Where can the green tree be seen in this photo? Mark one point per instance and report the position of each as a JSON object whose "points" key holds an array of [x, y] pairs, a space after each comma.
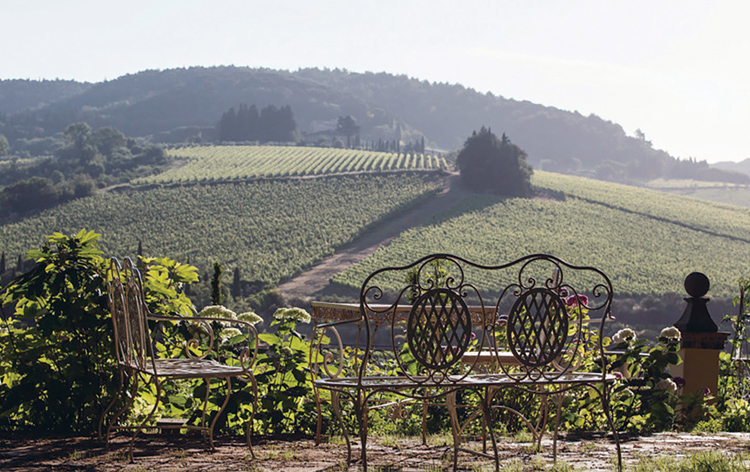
{"points": [[3, 145], [491, 165], [58, 361], [348, 127], [217, 298], [108, 140], [79, 149]]}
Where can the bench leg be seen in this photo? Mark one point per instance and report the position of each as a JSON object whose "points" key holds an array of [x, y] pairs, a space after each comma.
{"points": [[360, 408], [221, 410], [486, 401], [604, 395]]}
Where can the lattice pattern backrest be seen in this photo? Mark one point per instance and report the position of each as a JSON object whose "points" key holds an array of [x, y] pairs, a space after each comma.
{"points": [[431, 323], [551, 315], [537, 329], [438, 330], [125, 293]]}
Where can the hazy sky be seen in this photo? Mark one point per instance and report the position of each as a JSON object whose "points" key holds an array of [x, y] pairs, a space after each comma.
{"points": [[678, 70]]}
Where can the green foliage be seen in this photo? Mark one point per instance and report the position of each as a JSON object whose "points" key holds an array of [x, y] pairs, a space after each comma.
{"points": [[247, 124], [164, 283], [283, 375], [645, 400], [227, 163], [489, 164], [57, 352]]}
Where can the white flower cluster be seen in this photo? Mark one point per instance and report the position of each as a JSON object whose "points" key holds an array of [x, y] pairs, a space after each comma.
{"points": [[218, 311], [229, 333], [666, 384], [296, 314], [625, 335], [670, 334], [250, 317]]}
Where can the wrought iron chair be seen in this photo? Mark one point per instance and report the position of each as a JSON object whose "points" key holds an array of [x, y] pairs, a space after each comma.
{"points": [[136, 362]]}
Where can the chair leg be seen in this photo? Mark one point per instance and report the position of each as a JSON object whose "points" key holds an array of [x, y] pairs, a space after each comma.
{"points": [[111, 404], [336, 404], [486, 401], [125, 407], [148, 418], [218, 414], [319, 410], [360, 407], [249, 429], [558, 403]]}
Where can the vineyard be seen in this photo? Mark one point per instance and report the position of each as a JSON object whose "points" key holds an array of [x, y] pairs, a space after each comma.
{"points": [[223, 163], [269, 230], [731, 194], [646, 241], [714, 218]]}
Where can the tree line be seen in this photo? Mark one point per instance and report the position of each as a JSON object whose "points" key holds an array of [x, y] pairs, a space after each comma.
{"points": [[85, 161], [270, 124]]}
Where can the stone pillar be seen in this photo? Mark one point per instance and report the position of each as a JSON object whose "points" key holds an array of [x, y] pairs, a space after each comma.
{"points": [[701, 340]]}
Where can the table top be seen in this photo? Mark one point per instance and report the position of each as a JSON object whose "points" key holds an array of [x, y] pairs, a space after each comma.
{"points": [[325, 312]]}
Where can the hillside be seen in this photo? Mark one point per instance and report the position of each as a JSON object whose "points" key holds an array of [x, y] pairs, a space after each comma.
{"points": [[646, 241], [188, 103], [273, 229]]}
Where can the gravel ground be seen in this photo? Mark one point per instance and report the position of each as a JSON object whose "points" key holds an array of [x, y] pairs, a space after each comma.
{"points": [[185, 453]]}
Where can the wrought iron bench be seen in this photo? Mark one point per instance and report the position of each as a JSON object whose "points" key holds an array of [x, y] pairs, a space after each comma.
{"points": [[133, 324], [539, 309]]}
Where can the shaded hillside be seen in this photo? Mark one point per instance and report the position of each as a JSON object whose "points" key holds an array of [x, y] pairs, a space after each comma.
{"points": [[17, 95], [384, 106], [742, 166]]}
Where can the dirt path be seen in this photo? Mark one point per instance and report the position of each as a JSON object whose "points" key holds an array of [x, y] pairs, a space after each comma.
{"points": [[305, 286]]}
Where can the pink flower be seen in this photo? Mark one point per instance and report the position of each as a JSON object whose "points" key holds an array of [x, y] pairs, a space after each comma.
{"points": [[679, 381], [618, 375], [706, 391], [575, 300]]}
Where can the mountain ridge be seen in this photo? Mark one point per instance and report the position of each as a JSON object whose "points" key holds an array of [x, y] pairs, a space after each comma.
{"points": [[151, 103]]}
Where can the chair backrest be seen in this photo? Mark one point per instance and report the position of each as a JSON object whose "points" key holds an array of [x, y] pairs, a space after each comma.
{"points": [[429, 320], [129, 315], [556, 309]]}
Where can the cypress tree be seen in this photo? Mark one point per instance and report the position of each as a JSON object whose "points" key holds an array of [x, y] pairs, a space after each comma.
{"points": [[236, 283], [216, 296]]}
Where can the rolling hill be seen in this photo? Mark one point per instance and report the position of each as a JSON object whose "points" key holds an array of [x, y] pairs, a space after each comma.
{"points": [[187, 103], [271, 230]]}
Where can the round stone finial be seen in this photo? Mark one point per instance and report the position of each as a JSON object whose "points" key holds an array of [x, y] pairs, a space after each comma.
{"points": [[697, 284]]}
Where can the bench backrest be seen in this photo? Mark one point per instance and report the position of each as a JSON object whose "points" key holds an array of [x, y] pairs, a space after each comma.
{"points": [[556, 316], [538, 307], [129, 315]]}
